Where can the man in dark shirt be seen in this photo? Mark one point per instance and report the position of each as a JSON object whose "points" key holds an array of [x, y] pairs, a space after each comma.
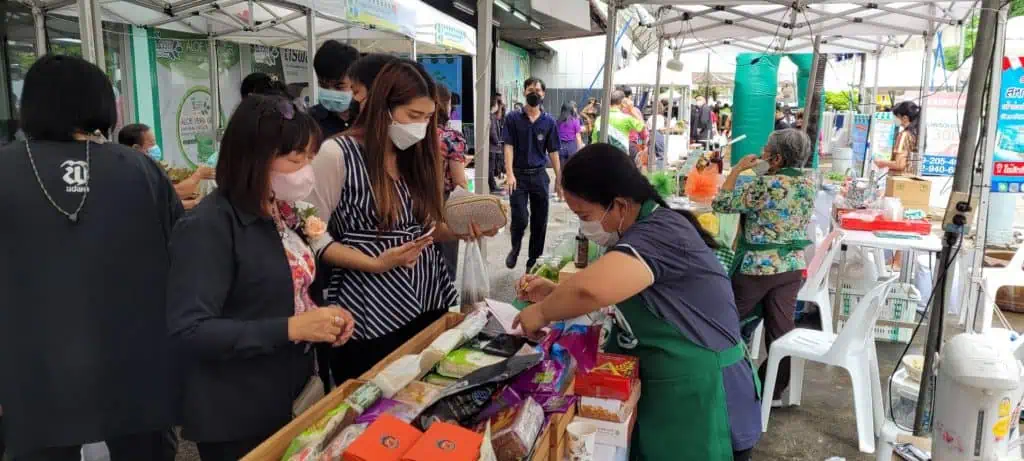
{"points": [[700, 120], [531, 139], [495, 148], [331, 63]]}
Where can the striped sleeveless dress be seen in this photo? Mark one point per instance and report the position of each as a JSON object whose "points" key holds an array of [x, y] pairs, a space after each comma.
{"points": [[382, 303]]}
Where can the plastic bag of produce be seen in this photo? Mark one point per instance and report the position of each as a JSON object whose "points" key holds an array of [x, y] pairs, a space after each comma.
{"points": [[476, 285], [320, 433], [462, 362], [336, 449]]}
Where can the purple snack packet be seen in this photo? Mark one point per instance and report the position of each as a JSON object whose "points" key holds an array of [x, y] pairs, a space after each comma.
{"points": [[555, 403], [582, 342], [545, 377], [400, 410], [508, 397]]}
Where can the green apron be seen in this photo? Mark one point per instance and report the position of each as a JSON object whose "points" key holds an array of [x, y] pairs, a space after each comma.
{"points": [[682, 414]]}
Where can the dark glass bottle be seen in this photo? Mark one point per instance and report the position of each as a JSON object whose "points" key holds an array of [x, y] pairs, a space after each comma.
{"points": [[582, 250]]}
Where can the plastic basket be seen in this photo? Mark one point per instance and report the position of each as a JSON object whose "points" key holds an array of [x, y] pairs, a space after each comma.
{"points": [[887, 333], [900, 306]]}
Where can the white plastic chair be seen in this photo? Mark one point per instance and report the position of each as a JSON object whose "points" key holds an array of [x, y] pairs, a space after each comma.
{"points": [[993, 278], [814, 289], [853, 349]]}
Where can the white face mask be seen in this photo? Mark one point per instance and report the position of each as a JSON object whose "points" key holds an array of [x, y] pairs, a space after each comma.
{"points": [[294, 186], [406, 134], [595, 232]]}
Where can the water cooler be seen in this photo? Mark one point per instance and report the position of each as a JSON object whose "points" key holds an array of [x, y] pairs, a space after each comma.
{"points": [[977, 401]]}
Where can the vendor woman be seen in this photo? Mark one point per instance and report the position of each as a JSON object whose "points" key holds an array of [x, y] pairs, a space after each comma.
{"points": [[905, 158], [699, 399]]}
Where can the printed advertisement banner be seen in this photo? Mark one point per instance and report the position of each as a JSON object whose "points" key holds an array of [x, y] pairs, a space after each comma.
{"points": [[390, 15], [447, 70], [945, 115], [288, 65], [454, 37], [186, 104], [1008, 158]]}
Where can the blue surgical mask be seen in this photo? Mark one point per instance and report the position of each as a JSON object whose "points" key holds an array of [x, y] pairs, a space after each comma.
{"points": [[334, 100], [155, 152]]}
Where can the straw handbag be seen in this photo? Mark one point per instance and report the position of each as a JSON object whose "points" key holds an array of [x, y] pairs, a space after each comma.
{"points": [[464, 207]]}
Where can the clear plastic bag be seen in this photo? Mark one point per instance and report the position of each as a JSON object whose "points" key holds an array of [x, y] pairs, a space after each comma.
{"points": [[476, 286]]}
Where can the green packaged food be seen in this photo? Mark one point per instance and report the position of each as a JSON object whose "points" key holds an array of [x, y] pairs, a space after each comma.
{"points": [[320, 433], [364, 397], [464, 361], [438, 380]]}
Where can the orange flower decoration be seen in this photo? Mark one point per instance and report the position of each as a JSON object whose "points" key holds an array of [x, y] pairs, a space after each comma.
{"points": [[314, 227]]}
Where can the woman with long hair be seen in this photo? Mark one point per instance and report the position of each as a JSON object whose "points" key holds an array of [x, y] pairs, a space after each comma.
{"points": [[380, 188], [569, 130], [678, 315], [905, 157], [238, 291]]}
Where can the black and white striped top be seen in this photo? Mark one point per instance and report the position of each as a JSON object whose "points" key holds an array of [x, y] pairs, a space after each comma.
{"points": [[381, 303]]}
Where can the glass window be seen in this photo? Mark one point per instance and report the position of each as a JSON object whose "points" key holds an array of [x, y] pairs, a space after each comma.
{"points": [[17, 53]]}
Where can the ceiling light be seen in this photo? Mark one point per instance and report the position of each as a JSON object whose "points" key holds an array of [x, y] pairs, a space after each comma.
{"points": [[464, 8], [520, 16], [534, 25], [502, 5], [675, 64], [67, 40]]}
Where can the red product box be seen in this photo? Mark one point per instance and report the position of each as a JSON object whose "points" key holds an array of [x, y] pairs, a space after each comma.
{"points": [[448, 442], [387, 439], [612, 378]]}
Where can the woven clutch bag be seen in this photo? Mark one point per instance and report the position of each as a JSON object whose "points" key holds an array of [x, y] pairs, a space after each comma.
{"points": [[464, 208]]}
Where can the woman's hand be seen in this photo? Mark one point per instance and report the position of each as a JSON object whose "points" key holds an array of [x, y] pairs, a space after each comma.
{"points": [[881, 163], [404, 255], [746, 163], [533, 288], [205, 172], [324, 325], [476, 234], [348, 328], [531, 320]]}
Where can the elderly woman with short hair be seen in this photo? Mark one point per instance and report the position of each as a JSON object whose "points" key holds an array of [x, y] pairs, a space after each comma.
{"points": [[777, 206]]}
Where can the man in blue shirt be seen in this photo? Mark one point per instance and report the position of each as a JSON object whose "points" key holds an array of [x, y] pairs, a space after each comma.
{"points": [[531, 140]]}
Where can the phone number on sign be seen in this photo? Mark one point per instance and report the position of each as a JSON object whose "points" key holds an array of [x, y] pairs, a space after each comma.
{"points": [[938, 166]]}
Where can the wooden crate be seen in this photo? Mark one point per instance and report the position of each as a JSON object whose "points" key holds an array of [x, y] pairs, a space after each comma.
{"points": [[417, 344], [551, 441], [274, 447]]}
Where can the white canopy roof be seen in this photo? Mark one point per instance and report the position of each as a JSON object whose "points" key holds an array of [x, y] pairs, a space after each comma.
{"points": [[373, 25], [643, 72], [785, 26]]}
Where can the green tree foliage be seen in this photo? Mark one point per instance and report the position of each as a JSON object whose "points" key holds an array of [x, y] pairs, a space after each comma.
{"points": [[841, 100]]}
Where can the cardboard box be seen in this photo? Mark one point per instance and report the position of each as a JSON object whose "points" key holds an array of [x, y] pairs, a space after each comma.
{"points": [[567, 272], [604, 452], [611, 378], [612, 434], [610, 409], [913, 192], [387, 439], [448, 442]]}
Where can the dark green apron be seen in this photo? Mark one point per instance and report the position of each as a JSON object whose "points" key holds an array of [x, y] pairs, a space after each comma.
{"points": [[682, 414]]}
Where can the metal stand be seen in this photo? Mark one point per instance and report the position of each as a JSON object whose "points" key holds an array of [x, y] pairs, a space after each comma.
{"points": [[963, 180]]}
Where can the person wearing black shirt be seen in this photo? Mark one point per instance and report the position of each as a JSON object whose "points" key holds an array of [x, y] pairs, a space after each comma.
{"points": [[331, 63], [83, 279], [531, 141], [700, 120]]}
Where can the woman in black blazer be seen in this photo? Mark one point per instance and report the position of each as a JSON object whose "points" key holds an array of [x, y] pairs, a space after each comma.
{"points": [[238, 296]]}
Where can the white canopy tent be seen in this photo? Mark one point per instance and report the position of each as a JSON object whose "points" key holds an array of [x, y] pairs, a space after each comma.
{"points": [[643, 72]]}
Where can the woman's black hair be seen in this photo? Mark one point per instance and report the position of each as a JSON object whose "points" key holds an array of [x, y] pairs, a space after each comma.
{"points": [[132, 135], [262, 128], [911, 110], [365, 70], [64, 95], [600, 173], [568, 111]]}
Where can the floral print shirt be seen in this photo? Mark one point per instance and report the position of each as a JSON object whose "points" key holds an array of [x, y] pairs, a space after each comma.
{"points": [[776, 210], [453, 147], [300, 256]]}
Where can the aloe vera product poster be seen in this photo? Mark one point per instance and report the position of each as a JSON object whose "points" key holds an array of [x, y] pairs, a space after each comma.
{"points": [[186, 104]]}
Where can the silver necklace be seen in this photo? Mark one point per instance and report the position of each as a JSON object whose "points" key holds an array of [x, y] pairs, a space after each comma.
{"points": [[73, 217]]}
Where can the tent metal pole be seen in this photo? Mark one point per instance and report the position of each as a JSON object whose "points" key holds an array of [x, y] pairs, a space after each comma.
{"points": [[929, 63], [874, 91], [609, 67], [482, 124], [986, 47], [860, 85], [85, 25], [39, 22], [314, 85], [654, 113], [214, 89], [97, 31], [412, 43], [979, 297]]}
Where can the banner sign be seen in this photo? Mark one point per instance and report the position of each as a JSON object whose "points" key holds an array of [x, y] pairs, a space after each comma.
{"points": [[390, 15], [945, 115], [1008, 157], [453, 37]]}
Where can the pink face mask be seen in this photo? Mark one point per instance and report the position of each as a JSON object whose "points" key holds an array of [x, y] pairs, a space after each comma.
{"points": [[293, 186]]}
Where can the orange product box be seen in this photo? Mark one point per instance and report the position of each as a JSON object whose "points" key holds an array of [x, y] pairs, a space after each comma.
{"points": [[448, 442], [611, 378], [387, 439]]}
